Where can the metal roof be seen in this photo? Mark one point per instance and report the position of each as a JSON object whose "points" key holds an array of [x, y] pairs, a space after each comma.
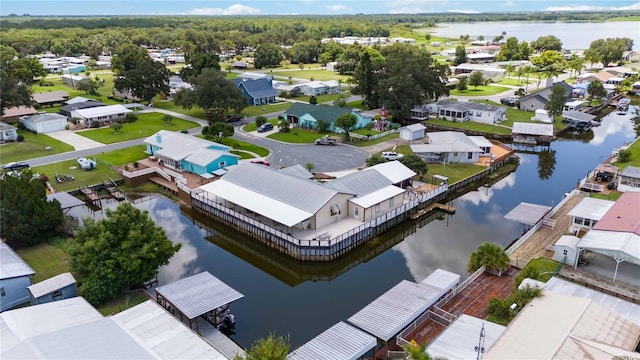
{"points": [[532, 129], [204, 157], [162, 332], [11, 264], [631, 171], [102, 111], [198, 294], [481, 141], [360, 182], [414, 127], [255, 201], [77, 99], [622, 307], [298, 171], [624, 215], [395, 171], [528, 214], [341, 341], [377, 196], [459, 339], [259, 88], [442, 279], [67, 201], [568, 241], [318, 112], [578, 116], [591, 208], [39, 118], [456, 139], [52, 284], [616, 244], [580, 328], [394, 310], [178, 146]]}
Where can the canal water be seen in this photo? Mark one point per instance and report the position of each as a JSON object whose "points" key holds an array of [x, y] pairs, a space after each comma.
{"points": [[301, 300]]}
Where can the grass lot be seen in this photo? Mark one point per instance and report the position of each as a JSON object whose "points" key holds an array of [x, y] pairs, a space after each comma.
{"points": [[253, 127], [243, 154], [123, 302], [296, 136], [321, 98], [480, 91], [514, 82], [57, 84], [195, 111], [365, 131], [516, 115], [33, 146], [199, 113], [146, 125], [356, 104], [266, 109], [47, 260], [545, 266], [471, 125], [82, 178], [363, 143], [316, 74], [245, 146], [455, 172], [613, 195], [123, 156], [634, 160]]}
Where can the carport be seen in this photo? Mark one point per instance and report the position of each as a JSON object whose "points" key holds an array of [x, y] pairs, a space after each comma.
{"points": [[621, 246]]}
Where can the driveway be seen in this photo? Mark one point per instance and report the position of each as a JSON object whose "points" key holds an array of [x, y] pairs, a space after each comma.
{"points": [[75, 140]]}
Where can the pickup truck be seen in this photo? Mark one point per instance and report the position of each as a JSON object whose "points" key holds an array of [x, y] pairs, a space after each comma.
{"points": [[325, 141]]}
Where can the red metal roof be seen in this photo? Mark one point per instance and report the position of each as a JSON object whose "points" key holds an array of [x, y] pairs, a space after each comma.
{"points": [[624, 215]]}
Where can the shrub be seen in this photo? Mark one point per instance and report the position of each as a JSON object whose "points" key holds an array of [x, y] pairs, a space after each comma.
{"points": [[95, 123], [131, 117], [624, 155], [499, 308], [20, 138], [136, 164], [260, 120], [528, 272]]}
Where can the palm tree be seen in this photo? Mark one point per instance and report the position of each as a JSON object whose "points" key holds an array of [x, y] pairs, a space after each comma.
{"points": [[415, 351], [510, 69], [490, 255], [577, 64]]}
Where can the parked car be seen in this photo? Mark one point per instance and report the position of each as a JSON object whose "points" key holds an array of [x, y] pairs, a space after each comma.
{"points": [[15, 166], [262, 162], [325, 141], [265, 127], [233, 118], [602, 176], [509, 100], [391, 155]]}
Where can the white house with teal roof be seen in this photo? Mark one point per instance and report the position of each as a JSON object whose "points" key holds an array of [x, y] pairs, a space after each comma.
{"points": [[306, 116], [184, 152]]}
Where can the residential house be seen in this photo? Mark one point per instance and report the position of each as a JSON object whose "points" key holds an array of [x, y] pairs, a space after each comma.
{"points": [[629, 179], [8, 132], [45, 122], [15, 276], [176, 83], [184, 152], [258, 91], [586, 214], [467, 111], [315, 88], [74, 69], [254, 75], [635, 88], [538, 99], [493, 73], [14, 113], [601, 76], [631, 56], [74, 80], [66, 110], [50, 98], [621, 71], [574, 105], [412, 132], [451, 147], [481, 58], [307, 116], [239, 65], [100, 114], [57, 288]]}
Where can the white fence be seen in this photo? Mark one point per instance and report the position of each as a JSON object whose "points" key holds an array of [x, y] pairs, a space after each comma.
{"points": [[372, 137]]}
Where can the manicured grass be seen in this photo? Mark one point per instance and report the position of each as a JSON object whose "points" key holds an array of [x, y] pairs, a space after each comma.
{"points": [[365, 131], [316, 74], [146, 125], [613, 195], [57, 84], [364, 143], [480, 91], [47, 260], [296, 136], [33, 146], [123, 156], [513, 82], [122, 303], [471, 125], [321, 98], [245, 146], [243, 154], [545, 266], [356, 104], [82, 178], [231, 75], [195, 111], [253, 127], [634, 160], [266, 109], [455, 172]]}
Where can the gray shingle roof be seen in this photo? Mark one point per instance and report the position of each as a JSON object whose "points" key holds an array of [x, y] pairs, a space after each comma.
{"points": [[631, 171], [546, 92], [259, 88]]}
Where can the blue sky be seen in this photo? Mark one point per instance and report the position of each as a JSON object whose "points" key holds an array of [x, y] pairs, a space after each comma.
{"points": [[292, 7]]}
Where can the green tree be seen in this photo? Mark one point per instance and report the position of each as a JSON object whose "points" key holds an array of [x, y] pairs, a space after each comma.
{"points": [[309, 166], [415, 163], [366, 78], [26, 217], [349, 59], [26, 70], [375, 159], [609, 50], [213, 93], [346, 122], [476, 79], [548, 58], [284, 126], [323, 126], [529, 272], [555, 104], [596, 91], [549, 42], [576, 64], [512, 50], [117, 126], [491, 255], [168, 119], [260, 120], [272, 348], [138, 73], [462, 83], [123, 250], [14, 93], [461, 55], [313, 100], [415, 351], [90, 86], [267, 55], [197, 62], [217, 130], [624, 155]]}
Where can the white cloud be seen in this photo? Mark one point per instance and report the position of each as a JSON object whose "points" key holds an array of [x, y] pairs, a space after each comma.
{"points": [[235, 9], [337, 7], [462, 11], [414, 6], [635, 6], [509, 4]]}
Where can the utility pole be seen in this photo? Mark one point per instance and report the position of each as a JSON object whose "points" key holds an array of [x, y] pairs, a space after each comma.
{"points": [[480, 348]]}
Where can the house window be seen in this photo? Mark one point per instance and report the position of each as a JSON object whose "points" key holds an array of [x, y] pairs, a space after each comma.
{"points": [[469, 155], [2, 293], [577, 220], [222, 164], [455, 154], [356, 211], [335, 210], [391, 201], [56, 294], [377, 208], [478, 114], [587, 222]]}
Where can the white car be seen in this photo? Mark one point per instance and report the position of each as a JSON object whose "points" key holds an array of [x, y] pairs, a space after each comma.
{"points": [[391, 155]]}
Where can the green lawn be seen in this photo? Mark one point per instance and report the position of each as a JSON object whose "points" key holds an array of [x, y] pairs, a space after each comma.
{"points": [[471, 125], [33, 146], [122, 302], [243, 154], [146, 125], [613, 195], [296, 136], [513, 82], [356, 104], [245, 146], [82, 178], [321, 98], [266, 109], [455, 172], [545, 266], [195, 111], [47, 260], [316, 74], [480, 91], [253, 127], [123, 156], [365, 131], [363, 143], [57, 84], [634, 160]]}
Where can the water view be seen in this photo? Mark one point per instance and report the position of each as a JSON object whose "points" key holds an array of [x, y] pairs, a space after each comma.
{"points": [[303, 299], [572, 34]]}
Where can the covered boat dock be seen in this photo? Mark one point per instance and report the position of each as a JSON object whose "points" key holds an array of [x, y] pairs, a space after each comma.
{"points": [[339, 342], [67, 201], [528, 214]]}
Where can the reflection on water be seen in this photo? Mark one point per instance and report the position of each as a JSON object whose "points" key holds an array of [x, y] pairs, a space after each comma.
{"points": [[303, 299]]}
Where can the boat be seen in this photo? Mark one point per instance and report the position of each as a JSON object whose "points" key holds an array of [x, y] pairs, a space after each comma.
{"points": [[86, 164], [623, 105]]}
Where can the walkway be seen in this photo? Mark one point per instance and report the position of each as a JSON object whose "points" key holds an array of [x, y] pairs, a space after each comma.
{"points": [[77, 141]]}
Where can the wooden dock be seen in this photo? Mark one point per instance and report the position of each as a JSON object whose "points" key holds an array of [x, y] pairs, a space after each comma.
{"points": [[434, 206], [112, 188], [91, 196]]}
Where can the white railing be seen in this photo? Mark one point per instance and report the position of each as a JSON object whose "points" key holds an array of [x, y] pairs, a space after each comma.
{"points": [[523, 239], [460, 287], [372, 137]]}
